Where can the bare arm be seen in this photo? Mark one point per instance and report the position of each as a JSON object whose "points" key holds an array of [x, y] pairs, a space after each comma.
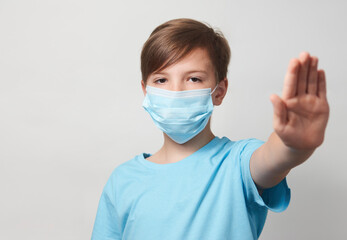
{"points": [[300, 119]]}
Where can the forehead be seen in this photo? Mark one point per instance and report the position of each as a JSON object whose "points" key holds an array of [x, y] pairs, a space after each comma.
{"points": [[198, 59]]}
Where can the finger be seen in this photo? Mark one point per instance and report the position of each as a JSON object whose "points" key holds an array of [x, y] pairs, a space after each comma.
{"points": [[302, 80], [280, 111], [322, 89], [312, 77], [290, 80]]}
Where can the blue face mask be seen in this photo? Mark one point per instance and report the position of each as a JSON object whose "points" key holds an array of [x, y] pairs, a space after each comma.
{"points": [[179, 114]]}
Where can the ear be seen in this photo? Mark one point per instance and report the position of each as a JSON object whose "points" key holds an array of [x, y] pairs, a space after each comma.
{"points": [[220, 92], [143, 87]]}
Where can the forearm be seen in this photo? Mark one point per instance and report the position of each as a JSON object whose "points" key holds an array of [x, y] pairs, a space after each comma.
{"points": [[273, 161]]}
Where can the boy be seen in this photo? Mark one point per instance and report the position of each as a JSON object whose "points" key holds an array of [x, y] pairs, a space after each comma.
{"points": [[199, 186]]}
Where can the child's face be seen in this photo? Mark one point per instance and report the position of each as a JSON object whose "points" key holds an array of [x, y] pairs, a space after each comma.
{"points": [[194, 71]]}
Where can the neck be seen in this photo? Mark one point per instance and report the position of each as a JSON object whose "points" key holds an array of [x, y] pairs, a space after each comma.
{"points": [[174, 152]]}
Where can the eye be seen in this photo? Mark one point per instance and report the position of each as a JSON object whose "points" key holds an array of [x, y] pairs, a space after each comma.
{"points": [[195, 79], [161, 80]]}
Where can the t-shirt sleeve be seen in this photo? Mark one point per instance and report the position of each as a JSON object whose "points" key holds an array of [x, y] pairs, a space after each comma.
{"points": [[276, 198], [107, 225]]}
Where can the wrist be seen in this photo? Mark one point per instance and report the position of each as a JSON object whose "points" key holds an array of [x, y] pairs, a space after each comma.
{"points": [[290, 156]]}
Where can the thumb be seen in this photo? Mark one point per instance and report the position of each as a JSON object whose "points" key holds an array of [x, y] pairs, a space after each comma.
{"points": [[280, 110]]}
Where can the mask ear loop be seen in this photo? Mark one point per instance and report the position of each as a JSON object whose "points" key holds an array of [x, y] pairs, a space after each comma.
{"points": [[214, 89]]}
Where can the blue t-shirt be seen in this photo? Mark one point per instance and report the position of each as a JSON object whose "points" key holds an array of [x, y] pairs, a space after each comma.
{"points": [[209, 195]]}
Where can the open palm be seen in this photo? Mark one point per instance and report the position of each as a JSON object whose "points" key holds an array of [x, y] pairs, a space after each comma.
{"points": [[301, 115]]}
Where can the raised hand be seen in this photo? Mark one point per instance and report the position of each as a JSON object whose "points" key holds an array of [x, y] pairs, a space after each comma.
{"points": [[301, 115]]}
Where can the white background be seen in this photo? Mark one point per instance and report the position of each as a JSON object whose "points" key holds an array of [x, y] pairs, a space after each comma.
{"points": [[70, 104]]}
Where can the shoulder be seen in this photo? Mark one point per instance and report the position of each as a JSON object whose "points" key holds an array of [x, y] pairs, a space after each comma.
{"points": [[242, 145], [127, 167], [119, 176], [249, 145]]}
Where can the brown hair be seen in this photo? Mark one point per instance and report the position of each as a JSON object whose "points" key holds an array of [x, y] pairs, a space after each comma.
{"points": [[173, 40]]}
